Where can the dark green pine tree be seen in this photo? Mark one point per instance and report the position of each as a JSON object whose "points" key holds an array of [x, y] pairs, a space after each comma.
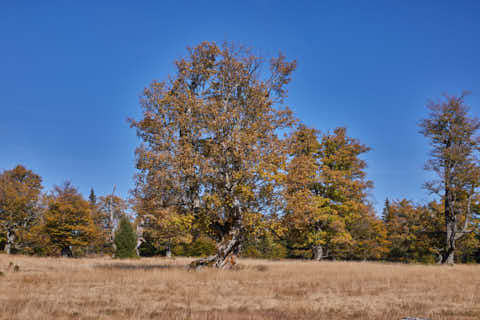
{"points": [[125, 239], [386, 214], [92, 198]]}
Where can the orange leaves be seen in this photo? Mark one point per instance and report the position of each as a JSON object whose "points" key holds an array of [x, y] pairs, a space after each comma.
{"points": [[67, 219], [324, 190], [210, 142], [19, 196]]}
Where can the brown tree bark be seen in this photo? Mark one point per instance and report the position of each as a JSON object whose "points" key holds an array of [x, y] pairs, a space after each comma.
{"points": [[226, 249], [449, 252]]}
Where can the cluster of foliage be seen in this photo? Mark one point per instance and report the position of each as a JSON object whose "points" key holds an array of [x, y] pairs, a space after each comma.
{"points": [[202, 246], [20, 191], [60, 222], [326, 210], [417, 232]]}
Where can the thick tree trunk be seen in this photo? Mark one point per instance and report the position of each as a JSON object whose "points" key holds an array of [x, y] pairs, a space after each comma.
{"points": [[317, 253], [227, 250], [449, 258], [11, 237], [451, 228], [67, 252], [449, 252], [114, 246]]}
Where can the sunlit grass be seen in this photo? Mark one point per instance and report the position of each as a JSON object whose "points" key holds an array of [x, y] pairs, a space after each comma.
{"points": [[160, 288]]}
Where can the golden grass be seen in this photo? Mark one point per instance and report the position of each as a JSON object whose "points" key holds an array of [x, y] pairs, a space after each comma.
{"points": [[160, 288]]}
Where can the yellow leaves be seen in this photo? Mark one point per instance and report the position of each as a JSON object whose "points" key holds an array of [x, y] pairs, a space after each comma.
{"points": [[254, 222], [324, 189], [67, 219], [19, 192], [244, 192]]}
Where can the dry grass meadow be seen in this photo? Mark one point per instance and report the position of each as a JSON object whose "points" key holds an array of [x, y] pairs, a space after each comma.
{"points": [[160, 288]]}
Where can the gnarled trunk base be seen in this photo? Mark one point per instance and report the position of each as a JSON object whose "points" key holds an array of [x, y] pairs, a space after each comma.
{"points": [[227, 251], [217, 261]]}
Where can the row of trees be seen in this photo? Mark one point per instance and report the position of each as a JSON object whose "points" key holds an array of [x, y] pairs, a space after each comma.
{"points": [[225, 168], [223, 157], [53, 223]]}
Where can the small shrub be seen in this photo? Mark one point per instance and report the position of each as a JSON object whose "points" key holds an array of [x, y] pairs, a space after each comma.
{"points": [[125, 240], [201, 247], [265, 247], [147, 249]]}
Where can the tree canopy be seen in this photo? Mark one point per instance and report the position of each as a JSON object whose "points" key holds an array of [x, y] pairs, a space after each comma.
{"points": [[211, 148], [68, 220], [20, 190]]}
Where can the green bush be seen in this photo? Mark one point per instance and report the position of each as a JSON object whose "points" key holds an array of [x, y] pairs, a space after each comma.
{"points": [[125, 240], [264, 247], [203, 246], [147, 249]]}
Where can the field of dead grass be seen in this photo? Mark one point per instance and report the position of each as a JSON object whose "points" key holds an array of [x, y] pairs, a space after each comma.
{"points": [[161, 288]]}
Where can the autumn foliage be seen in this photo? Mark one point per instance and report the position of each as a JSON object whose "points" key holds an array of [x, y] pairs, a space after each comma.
{"points": [[225, 169]]}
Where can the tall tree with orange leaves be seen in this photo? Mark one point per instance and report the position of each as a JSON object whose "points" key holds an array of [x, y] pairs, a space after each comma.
{"points": [[210, 148], [325, 192], [67, 219], [20, 190]]}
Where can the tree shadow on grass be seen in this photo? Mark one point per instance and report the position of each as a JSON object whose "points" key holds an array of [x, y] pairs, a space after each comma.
{"points": [[138, 266]]}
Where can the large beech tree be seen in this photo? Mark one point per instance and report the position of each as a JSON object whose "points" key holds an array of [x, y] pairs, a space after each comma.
{"points": [[19, 194], [210, 146], [454, 160]]}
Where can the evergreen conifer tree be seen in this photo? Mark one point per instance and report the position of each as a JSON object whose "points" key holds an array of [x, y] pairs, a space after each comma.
{"points": [[92, 198], [125, 239]]}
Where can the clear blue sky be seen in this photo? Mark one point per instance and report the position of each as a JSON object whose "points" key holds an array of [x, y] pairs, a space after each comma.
{"points": [[71, 73]]}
